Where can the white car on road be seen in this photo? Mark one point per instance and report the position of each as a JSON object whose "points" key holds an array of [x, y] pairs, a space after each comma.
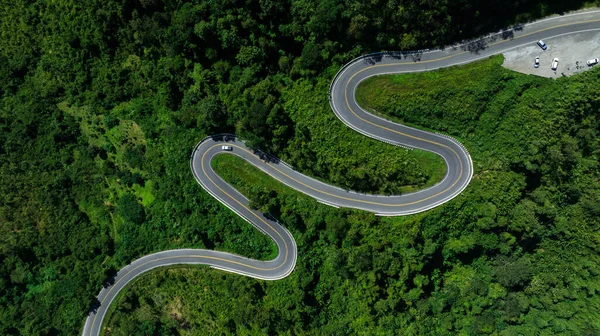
{"points": [[592, 62], [554, 64], [542, 45], [227, 148]]}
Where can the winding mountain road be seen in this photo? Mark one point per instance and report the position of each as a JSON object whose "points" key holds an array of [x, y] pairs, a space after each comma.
{"points": [[344, 105]]}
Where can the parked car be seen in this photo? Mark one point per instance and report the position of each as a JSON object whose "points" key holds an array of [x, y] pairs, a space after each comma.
{"points": [[542, 45], [227, 148], [592, 62], [554, 64], [536, 63]]}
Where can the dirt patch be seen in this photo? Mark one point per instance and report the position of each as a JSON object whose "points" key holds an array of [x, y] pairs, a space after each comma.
{"points": [[175, 309], [573, 51]]}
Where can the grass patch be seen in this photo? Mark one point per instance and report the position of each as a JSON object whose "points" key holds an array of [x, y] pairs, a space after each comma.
{"points": [[433, 167], [371, 91], [145, 192], [450, 100], [242, 175]]}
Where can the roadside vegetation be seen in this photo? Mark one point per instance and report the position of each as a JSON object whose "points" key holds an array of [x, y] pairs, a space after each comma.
{"points": [[102, 103]]}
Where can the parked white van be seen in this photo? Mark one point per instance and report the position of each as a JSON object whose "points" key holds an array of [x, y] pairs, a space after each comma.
{"points": [[542, 45]]}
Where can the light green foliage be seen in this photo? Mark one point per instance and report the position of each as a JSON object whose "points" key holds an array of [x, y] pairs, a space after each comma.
{"points": [[130, 210]]}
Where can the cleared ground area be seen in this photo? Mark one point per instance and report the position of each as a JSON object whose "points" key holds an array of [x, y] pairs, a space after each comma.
{"points": [[572, 50]]}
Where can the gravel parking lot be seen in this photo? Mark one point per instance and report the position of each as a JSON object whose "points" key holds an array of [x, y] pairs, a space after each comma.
{"points": [[573, 51]]}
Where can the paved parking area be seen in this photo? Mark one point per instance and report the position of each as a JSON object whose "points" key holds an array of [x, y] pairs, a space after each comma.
{"points": [[573, 51]]}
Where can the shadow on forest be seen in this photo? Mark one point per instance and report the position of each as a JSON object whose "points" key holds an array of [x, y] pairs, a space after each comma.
{"points": [[110, 274], [94, 306], [262, 155], [266, 157], [398, 55], [497, 27]]}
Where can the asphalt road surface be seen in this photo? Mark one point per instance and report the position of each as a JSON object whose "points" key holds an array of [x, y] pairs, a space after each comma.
{"points": [[343, 103]]}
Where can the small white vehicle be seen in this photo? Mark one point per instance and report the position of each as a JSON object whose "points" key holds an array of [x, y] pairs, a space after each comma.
{"points": [[542, 44], [554, 64], [592, 62], [227, 148], [536, 63]]}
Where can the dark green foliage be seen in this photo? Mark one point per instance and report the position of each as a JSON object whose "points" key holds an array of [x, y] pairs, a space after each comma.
{"points": [[264, 200], [130, 210], [134, 156], [102, 102], [212, 116], [254, 126], [513, 273]]}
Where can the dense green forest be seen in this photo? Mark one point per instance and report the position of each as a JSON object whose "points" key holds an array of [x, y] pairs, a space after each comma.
{"points": [[516, 254], [102, 102]]}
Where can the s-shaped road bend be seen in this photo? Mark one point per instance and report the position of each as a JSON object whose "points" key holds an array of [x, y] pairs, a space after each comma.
{"points": [[344, 105]]}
